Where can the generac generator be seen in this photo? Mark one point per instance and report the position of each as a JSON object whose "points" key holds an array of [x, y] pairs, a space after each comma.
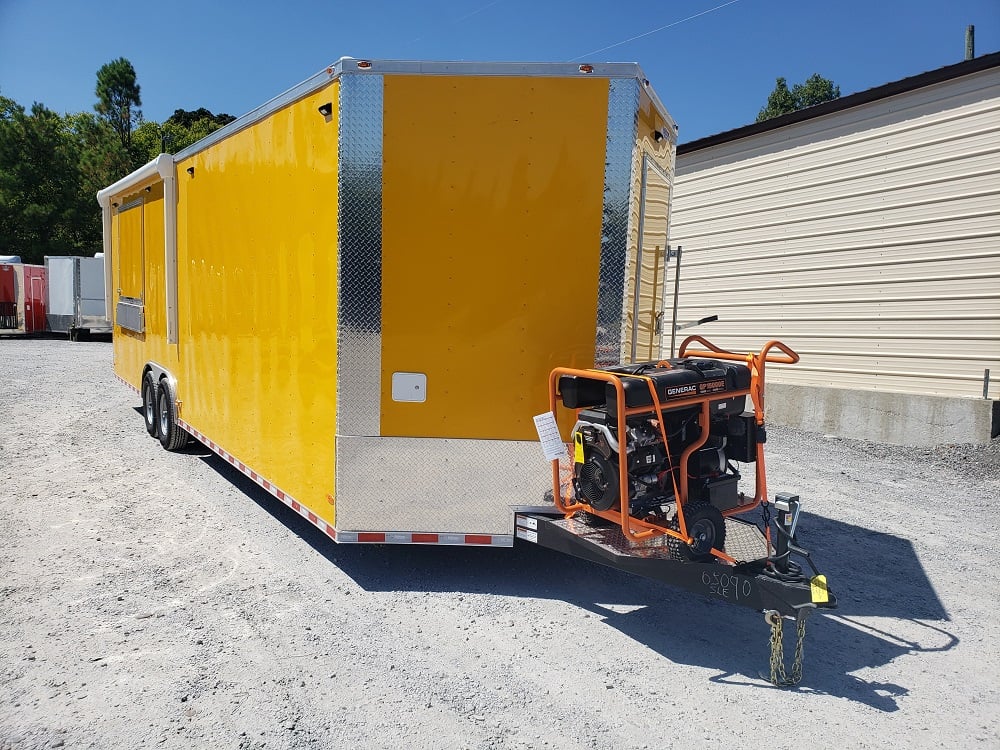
{"points": [[668, 455], [656, 445]]}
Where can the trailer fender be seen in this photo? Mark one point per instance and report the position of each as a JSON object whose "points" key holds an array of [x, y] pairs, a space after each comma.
{"points": [[172, 437]]}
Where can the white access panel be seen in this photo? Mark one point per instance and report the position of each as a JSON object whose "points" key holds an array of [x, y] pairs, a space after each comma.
{"points": [[92, 287], [61, 299]]}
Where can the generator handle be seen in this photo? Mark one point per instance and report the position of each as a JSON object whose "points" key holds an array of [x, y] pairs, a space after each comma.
{"points": [[786, 357]]}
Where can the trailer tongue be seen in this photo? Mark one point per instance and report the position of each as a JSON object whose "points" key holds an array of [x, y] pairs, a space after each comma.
{"points": [[750, 583], [653, 488]]}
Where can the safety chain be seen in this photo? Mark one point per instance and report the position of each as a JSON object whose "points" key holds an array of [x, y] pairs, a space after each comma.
{"points": [[765, 511], [780, 678]]}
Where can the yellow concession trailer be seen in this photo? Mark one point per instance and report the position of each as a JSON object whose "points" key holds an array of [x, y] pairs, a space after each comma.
{"points": [[356, 292]]}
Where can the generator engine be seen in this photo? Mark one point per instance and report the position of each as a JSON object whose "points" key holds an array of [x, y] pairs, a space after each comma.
{"points": [[653, 465]]}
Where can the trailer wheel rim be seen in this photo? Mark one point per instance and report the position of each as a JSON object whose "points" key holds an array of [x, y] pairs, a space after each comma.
{"points": [[702, 536], [164, 416], [150, 406]]}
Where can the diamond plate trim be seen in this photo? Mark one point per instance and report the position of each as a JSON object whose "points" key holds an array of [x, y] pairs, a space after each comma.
{"points": [[744, 541], [359, 256], [443, 485], [623, 108]]}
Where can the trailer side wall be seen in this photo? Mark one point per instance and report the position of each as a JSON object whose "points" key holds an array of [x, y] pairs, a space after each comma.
{"points": [[257, 296]]}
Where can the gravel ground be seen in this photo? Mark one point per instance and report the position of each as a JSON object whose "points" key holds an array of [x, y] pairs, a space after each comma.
{"points": [[162, 600]]}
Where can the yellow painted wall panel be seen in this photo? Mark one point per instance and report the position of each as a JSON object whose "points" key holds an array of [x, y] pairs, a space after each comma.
{"points": [[257, 305], [128, 348], [492, 199], [141, 227], [130, 250]]}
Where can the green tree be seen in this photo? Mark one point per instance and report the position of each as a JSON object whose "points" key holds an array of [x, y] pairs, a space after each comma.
{"points": [[177, 132], [815, 90], [187, 118], [42, 208], [101, 158], [118, 99], [780, 101]]}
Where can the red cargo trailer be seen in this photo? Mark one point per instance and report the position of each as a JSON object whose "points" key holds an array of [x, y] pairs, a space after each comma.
{"points": [[22, 298]]}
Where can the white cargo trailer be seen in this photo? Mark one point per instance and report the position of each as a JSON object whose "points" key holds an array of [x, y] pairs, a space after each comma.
{"points": [[76, 295]]}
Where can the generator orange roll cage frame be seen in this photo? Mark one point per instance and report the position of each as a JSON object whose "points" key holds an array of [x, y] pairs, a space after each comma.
{"points": [[638, 529]]}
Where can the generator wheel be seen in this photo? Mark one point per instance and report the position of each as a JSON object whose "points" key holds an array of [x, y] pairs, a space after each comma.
{"points": [[705, 526], [172, 437], [149, 406]]}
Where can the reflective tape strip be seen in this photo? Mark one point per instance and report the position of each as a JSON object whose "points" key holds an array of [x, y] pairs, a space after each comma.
{"points": [[266, 484], [342, 537], [124, 382], [424, 537]]}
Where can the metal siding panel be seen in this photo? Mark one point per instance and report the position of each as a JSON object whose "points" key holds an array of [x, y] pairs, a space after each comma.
{"points": [[922, 256], [932, 211], [257, 302], [491, 242], [437, 485], [878, 224], [856, 195]]}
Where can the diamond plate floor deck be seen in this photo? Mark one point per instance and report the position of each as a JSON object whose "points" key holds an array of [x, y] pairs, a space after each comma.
{"points": [[744, 541]]}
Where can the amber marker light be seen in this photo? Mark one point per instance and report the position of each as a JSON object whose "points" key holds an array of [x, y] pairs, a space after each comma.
{"points": [[364, 64], [586, 68]]}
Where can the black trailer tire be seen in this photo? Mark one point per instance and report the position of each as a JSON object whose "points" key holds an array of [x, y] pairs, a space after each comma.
{"points": [[172, 437], [149, 405], [707, 528]]}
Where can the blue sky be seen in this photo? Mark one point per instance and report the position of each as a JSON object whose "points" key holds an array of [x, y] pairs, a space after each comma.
{"points": [[713, 71]]}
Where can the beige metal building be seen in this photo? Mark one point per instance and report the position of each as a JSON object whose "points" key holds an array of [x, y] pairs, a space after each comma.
{"points": [[865, 233]]}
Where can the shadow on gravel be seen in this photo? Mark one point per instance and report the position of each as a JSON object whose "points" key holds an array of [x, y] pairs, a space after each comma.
{"points": [[872, 574], [51, 336]]}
